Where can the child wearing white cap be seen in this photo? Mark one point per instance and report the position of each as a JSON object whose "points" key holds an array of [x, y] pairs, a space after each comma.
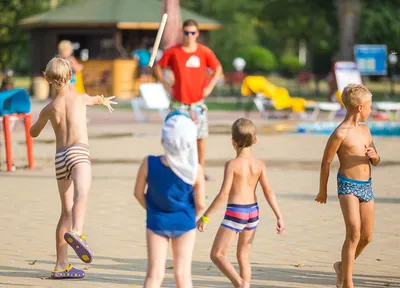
{"points": [[175, 196]]}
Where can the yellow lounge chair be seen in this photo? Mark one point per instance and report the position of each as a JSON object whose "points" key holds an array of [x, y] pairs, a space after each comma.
{"points": [[267, 94]]}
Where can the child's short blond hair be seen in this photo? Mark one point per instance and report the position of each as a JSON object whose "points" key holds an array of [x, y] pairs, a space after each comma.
{"points": [[63, 45], [355, 94], [58, 71], [243, 132]]}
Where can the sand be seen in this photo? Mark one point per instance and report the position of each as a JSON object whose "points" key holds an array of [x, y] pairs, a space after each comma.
{"points": [[115, 222]]}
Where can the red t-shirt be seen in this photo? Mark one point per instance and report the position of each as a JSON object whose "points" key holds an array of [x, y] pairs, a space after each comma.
{"points": [[190, 71]]}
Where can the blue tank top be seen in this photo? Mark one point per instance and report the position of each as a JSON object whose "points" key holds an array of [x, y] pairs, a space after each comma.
{"points": [[169, 201]]}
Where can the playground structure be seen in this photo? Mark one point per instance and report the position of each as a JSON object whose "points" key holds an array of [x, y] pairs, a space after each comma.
{"points": [[16, 105], [268, 95]]}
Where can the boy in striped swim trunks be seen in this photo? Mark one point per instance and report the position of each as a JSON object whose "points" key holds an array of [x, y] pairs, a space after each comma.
{"points": [[67, 114], [241, 177]]}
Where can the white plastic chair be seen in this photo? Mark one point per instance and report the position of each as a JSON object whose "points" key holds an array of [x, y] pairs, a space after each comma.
{"points": [[153, 96]]}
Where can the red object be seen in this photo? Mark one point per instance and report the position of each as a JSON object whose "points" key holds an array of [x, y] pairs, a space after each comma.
{"points": [[190, 71], [304, 77], [381, 116], [7, 136]]}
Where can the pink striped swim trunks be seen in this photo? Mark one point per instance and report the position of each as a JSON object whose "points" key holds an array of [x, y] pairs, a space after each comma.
{"points": [[239, 217]]}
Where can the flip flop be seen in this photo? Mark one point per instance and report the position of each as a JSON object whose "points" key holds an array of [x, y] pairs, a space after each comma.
{"points": [[69, 273], [78, 243]]}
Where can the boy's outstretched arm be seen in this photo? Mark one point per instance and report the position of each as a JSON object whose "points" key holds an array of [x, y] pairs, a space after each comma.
{"points": [[40, 123], [221, 197], [271, 199], [332, 146], [141, 181], [199, 192], [99, 100]]}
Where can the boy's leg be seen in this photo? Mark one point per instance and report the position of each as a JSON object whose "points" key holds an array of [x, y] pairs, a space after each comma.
{"points": [[66, 190], [367, 213], [350, 206], [157, 249], [222, 241], [245, 242], [182, 249], [82, 177]]}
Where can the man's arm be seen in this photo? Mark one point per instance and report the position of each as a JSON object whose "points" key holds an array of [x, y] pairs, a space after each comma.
{"points": [[211, 85], [213, 63], [158, 70]]}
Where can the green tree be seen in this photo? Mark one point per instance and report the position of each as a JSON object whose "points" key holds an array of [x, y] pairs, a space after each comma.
{"points": [[380, 24], [239, 30], [14, 41], [259, 58], [289, 65]]}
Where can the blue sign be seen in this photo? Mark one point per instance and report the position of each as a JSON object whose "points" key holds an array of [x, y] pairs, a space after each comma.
{"points": [[371, 59]]}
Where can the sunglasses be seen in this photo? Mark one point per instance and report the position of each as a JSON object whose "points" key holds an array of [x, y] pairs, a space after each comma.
{"points": [[189, 32]]}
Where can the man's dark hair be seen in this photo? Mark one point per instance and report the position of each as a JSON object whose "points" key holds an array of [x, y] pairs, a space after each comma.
{"points": [[190, 22]]}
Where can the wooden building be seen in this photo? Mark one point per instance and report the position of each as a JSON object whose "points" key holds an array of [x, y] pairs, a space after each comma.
{"points": [[109, 30]]}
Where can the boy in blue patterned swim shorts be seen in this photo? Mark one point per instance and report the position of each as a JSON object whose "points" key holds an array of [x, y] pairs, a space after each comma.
{"points": [[353, 144]]}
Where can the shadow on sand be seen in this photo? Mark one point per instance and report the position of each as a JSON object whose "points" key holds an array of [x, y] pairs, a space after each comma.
{"points": [[201, 271]]}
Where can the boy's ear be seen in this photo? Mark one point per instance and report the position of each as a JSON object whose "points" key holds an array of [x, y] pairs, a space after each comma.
{"points": [[233, 143], [255, 139]]}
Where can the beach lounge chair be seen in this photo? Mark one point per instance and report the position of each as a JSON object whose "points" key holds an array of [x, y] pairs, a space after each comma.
{"points": [[152, 97], [388, 107], [268, 95]]}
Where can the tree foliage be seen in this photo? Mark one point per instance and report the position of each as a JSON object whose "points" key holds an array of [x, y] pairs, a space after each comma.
{"points": [[278, 25], [14, 41]]}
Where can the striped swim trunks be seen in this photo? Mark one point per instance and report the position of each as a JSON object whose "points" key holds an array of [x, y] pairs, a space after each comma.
{"points": [[68, 157], [239, 217]]}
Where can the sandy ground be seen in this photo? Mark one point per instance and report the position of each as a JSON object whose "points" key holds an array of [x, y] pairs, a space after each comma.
{"points": [[30, 206]]}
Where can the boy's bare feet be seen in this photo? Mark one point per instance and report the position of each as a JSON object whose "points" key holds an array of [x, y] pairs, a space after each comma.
{"points": [[338, 269], [245, 285]]}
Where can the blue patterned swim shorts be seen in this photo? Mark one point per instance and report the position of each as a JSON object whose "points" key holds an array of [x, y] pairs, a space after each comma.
{"points": [[361, 189]]}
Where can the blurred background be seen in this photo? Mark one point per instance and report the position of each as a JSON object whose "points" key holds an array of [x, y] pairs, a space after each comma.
{"points": [[294, 43]]}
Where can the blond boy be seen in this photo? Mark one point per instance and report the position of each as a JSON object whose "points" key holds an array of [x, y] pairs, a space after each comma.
{"points": [[353, 144], [67, 114]]}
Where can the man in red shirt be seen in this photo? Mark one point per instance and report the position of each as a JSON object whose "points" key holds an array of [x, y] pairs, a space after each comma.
{"points": [[189, 62]]}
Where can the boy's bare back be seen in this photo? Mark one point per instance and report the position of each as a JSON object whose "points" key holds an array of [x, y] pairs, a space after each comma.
{"points": [[246, 174], [354, 163], [67, 114]]}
